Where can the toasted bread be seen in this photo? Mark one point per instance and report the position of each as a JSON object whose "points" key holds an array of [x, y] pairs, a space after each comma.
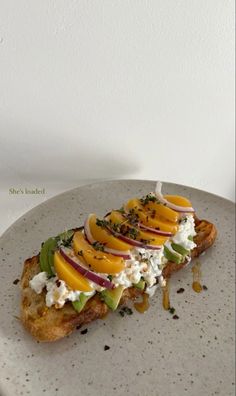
{"points": [[51, 324]]}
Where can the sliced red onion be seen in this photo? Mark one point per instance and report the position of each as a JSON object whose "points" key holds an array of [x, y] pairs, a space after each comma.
{"points": [[120, 253], [133, 242], [155, 231], [81, 269], [177, 208]]}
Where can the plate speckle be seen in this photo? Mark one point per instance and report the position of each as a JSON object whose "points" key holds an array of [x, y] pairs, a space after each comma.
{"points": [[154, 354]]}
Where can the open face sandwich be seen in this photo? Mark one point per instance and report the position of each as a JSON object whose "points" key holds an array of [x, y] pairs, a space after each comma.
{"points": [[82, 274]]}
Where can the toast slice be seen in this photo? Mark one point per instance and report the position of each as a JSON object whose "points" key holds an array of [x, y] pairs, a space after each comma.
{"points": [[51, 324]]}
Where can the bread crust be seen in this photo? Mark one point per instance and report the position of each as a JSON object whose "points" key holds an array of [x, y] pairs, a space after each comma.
{"points": [[51, 324]]}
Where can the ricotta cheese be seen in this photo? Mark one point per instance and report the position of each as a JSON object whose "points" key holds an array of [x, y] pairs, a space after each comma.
{"points": [[57, 292], [145, 263], [186, 230], [39, 282]]}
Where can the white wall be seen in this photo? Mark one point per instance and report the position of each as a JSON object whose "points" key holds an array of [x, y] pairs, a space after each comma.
{"points": [[94, 89]]}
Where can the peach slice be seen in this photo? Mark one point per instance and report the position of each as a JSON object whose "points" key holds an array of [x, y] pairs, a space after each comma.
{"points": [[178, 200], [148, 219], [67, 273], [96, 259], [117, 218], [159, 210], [102, 235]]}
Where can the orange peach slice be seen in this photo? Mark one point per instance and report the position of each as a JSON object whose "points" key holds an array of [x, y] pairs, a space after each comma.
{"points": [[148, 219], [96, 259], [68, 274], [117, 218], [102, 235], [178, 200], [160, 210]]}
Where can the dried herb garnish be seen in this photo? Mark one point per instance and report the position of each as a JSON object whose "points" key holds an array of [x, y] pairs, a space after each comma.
{"points": [[149, 198], [133, 217], [98, 246], [102, 223], [172, 310], [132, 233], [145, 241], [127, 310], [116, 226]]}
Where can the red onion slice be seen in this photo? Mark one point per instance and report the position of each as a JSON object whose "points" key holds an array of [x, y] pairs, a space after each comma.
{"points": [[177, 208], [120, 253], [133, 242], [81, 269], [155, 231]]}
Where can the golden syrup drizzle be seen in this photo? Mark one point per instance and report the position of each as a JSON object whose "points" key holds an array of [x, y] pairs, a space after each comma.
{"points": [[166, 296], [196, 270], [142, 306]]}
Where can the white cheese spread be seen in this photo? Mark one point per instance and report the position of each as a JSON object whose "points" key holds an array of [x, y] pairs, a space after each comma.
{"points": [[186, 230], [57, 292]]}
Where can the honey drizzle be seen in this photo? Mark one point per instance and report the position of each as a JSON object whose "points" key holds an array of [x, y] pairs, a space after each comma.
{"points": [[196, 270], [166, 296], [142, 306]]}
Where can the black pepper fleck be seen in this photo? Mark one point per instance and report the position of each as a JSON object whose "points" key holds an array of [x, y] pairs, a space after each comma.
{"points": [[175, 317], [181, 290], [16, 281], [205, 287], [106, 347], [84, 331]]}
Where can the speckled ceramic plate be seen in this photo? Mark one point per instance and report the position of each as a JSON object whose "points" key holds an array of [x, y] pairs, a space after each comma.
{"points": [[150, 354]]}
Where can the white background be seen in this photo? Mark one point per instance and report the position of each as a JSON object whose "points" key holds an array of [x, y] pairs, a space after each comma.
{"points": [[101, 89]]}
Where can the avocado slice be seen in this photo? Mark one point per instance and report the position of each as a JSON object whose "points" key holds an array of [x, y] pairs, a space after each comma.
{"points": [[112, 297], [172, 256], [66, 237], [140, 285], [180, 249], [46, 256], [80, 304]]}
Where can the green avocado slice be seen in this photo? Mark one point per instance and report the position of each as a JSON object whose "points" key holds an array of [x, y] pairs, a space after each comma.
{"points": [[180, 249], [171, 256], [112, 297], [46, 256], [140, 285], [80, 304]]}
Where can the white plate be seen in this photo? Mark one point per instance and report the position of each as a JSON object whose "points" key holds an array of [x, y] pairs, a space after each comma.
{"points": [[150, 354]]}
